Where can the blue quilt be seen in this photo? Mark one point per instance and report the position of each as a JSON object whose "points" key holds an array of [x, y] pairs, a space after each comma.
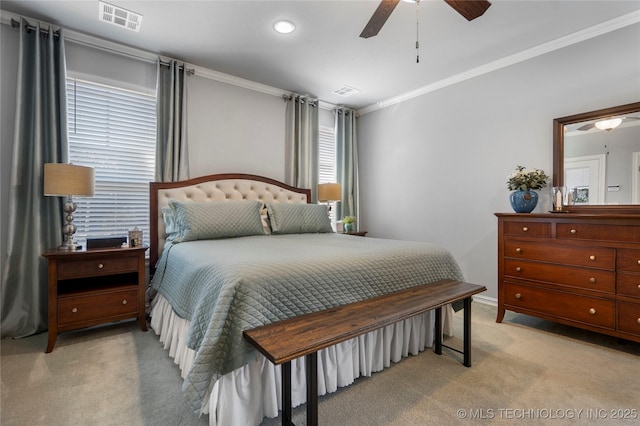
{"points": [[230, 285]]}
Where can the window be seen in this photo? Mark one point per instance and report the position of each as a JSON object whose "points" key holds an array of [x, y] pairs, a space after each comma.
{"points": [[112, 130], [327, 160]]}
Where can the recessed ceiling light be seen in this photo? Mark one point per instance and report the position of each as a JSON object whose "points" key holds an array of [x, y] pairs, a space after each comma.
{"points": [[284, 27]]}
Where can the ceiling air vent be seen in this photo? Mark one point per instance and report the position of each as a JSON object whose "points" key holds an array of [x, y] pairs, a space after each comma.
{"points": [[346, 91], [118, 16]]}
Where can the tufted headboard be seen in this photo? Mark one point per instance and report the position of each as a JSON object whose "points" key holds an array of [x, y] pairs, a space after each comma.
{"points": [[220, 187]]}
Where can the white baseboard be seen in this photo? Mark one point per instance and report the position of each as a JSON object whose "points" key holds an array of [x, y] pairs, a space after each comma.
{"points": [[486, 300]]}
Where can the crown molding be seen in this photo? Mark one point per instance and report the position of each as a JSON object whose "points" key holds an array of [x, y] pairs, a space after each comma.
{"points": [[559, 43]]}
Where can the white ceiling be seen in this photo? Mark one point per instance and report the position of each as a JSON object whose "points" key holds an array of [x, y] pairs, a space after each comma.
{"points": [[325, 52]]}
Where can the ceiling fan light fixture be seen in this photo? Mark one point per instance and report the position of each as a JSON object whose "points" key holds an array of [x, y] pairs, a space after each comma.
{"points": [[284, 27], [609, 124]]}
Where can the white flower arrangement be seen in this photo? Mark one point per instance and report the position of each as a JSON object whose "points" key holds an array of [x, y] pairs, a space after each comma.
{"points": [[526, 179]]}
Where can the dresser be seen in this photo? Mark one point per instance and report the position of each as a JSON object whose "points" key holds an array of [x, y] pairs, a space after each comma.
{"points": [[94, 286], [581, 270]]}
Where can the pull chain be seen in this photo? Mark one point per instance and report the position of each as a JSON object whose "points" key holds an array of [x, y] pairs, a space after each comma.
{"points": [[417, 31]]}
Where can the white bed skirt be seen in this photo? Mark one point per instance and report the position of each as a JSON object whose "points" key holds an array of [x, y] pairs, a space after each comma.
{"points": [[248, 394]]}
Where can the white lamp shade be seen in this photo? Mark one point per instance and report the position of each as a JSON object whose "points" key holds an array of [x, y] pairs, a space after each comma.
{"points": [[329, 192], [68, 179]]}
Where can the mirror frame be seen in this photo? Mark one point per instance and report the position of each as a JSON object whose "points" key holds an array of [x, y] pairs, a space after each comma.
{"points": [[558, 155]]}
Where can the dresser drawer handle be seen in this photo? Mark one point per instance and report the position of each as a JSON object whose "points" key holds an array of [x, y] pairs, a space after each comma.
{"points": [[100, 266], [518, 269], [525, 229], [638, 261], [592, 311], [518, 250], [592, 279], [124, 302], [74, 310], [518, 296], [638, 320], [573, 231], [592, 257]]}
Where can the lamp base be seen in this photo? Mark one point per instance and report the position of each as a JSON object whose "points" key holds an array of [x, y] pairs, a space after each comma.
{"points": [[69, 247]]}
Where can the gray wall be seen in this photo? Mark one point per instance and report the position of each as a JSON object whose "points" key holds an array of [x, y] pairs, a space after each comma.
{"points": [[434, 168]]}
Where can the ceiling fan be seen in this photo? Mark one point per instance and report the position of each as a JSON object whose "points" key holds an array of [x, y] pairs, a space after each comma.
{"points": [[605, 124], [470, 9]]}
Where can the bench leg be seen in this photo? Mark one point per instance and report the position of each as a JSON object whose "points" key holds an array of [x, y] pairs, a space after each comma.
{"points": [[438, 331], [286, 394], [467, 332], [312, 389]]}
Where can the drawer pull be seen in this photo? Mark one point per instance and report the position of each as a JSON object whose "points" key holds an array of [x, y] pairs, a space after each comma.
{"points": [[638, 261], [100, 266], [592, 311], [573, 231], [518, 250], [518, 269], [592, 279], [74, 310], [525, 229], [124, 302], [518, 296], [638, 320], [592, 257]]}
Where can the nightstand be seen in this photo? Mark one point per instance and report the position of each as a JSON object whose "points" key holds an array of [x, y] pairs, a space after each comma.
{"points": [[357, 233], [94, 286]]}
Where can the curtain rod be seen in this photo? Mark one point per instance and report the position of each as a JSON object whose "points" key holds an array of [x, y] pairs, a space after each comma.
{"points": [[190, 71], [16, 24]]}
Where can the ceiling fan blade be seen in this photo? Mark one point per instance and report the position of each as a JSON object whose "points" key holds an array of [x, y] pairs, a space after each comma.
{"points": [[586, 127], [470, 9], [378, 18]]}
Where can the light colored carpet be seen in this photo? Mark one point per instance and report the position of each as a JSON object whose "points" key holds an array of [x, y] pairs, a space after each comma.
{"points": [[525, 371]]}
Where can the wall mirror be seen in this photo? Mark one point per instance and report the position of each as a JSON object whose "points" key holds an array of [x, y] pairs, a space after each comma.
{"points": [[596, 156]]}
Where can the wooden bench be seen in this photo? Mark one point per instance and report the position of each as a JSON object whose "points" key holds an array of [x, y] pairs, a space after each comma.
{"points": [[282, 341]]}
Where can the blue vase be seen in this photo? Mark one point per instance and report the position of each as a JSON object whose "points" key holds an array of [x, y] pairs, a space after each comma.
{"points": [[523, 201]]}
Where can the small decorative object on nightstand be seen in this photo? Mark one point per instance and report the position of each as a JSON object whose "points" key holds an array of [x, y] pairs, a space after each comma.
{"points": [[95, 286], [348, 223]]}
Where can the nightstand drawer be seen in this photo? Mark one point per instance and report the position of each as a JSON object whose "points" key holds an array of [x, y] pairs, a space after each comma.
{"points": [[100, 266], [584, 309], [97, 308]]}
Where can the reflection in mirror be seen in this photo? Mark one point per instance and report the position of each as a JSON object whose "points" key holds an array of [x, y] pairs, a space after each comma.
{"points": [[597, 158]]}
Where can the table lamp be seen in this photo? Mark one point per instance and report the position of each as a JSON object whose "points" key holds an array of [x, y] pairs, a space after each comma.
{"points": [[328, 192], [68, 180]]}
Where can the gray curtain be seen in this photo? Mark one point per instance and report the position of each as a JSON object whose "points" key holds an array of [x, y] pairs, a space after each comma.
{"points": [[35, 221], [347, 162], [302, 143], [172, 160]]}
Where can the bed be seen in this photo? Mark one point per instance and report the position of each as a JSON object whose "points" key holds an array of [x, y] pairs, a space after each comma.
{"points": [[235, 251]]}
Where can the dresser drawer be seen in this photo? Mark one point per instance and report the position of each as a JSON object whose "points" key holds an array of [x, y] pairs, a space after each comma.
{"points": [[83, 310], [584, 309], [592, 257], [95, 267], [572, 276], [628, 284], [629, 318], [590, 231], [527, 229], [628, 260]]}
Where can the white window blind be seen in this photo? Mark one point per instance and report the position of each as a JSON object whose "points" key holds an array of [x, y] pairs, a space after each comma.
{"points": [[327, 160], [114, 131]]}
